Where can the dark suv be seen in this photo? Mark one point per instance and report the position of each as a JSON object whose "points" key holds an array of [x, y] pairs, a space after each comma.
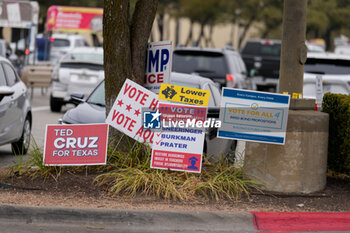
{"points": [[224, 66], [262, 59]]}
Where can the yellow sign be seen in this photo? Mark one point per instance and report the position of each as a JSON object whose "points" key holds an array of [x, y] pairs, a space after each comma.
{"points": [[184, 95]]}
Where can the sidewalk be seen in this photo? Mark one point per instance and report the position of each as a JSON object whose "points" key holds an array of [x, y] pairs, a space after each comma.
{"points": [[111, 220]]}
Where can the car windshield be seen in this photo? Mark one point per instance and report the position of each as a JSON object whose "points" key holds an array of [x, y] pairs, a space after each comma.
{"points": [[98, 96], [84, 57], [327, 66], [258, 48], [60, 43], [206, 64]]}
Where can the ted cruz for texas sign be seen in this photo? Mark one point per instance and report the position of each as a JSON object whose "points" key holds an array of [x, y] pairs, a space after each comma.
{"points": [[73, 145]]}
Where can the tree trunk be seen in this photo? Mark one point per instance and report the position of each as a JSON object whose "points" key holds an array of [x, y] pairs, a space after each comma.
{"points": [[189, 38], [125, 45], [116, 44], [160, 22], [142, 21], [177, 32], [245, 30], [200, 35]]}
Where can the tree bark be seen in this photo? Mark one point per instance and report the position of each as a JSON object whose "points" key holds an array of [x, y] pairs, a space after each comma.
{"points": [[116, 44], [125, 46], [141, 26]]}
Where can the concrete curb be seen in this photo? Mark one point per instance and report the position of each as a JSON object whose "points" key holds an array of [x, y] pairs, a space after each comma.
{"points": [[147, 221]]}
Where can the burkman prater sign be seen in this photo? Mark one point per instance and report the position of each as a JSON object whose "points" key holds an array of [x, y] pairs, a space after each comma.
{"points": [[179, 128]]}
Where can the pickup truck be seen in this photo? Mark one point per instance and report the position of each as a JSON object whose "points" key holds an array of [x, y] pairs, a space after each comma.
{"points": [[262, 59]]}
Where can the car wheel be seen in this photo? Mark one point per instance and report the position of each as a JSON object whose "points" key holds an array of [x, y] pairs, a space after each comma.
{"points": [[55, 104], [22, 145]]}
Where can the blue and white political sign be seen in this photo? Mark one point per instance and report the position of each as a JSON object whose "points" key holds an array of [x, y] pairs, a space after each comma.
{"points": [[158, 67], [253, 116]]}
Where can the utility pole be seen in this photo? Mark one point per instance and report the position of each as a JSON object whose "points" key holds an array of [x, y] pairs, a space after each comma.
{"points": [[293, 51]]}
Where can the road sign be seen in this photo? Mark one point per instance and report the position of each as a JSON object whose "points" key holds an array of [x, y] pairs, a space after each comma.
{"points": [[253, 116], [73, 145]]}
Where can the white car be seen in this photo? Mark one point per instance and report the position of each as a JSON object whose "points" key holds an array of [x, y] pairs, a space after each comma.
{"points": [[335, 72], [78, 71], [61, 44], [93, 110], [15, 110]]}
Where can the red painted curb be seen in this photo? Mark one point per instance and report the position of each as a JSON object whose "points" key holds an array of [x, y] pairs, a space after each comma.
{"points": [[301, 221]]}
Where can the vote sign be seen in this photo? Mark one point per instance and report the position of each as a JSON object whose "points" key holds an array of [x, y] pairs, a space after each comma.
{"points": [[126, 113]]}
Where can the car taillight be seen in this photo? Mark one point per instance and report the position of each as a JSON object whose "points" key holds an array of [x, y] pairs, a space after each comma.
{"points": [[230, 80], [52, 39]]}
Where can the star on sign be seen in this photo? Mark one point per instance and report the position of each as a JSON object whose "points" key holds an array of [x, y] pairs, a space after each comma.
{"points": [[120, 103], [137, 112], [128, 107], [155, 115]]}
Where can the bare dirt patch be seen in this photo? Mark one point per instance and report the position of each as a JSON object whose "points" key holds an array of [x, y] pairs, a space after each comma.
{"points": [[78, 190]]}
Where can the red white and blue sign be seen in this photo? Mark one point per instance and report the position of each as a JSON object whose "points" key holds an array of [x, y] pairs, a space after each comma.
{"points": [[158, 67], [176, 146]]}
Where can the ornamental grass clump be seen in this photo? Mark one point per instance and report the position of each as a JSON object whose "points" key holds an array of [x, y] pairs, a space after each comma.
{"points": [[133, 176]]}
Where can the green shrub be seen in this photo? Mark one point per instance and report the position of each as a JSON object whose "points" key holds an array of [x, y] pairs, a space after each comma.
{"points": [[338, 108]]}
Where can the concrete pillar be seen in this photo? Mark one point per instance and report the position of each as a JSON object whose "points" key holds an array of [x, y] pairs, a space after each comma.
{"points": [[299, 166]]}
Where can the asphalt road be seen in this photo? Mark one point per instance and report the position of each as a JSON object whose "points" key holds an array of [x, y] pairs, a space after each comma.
{"points": [[41, 117]]}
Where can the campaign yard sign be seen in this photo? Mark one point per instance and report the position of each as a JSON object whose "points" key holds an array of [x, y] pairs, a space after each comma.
{"points": [[158, 67], [178, 146], [253, 116], [126, 113], [75, 145], [184, 95]]}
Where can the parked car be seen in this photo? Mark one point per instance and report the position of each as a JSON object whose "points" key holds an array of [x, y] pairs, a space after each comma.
{"points": [[78, 71], [262, 59], [342, 49], [224, 66], [15, 109], [92, 110], [61, 44], [335, 72]]}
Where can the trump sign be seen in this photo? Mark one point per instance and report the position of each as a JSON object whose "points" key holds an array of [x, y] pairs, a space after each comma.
{"points": [[158, 67]]}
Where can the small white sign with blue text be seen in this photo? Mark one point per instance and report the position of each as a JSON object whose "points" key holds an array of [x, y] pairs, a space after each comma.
{"points": [[253, 116]]}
